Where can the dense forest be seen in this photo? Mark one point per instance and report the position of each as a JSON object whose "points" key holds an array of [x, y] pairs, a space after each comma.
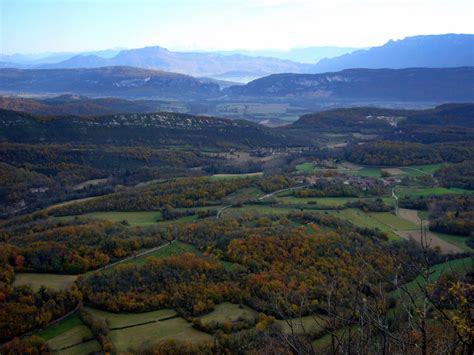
{"points": [[402, 153], [457, 175]]}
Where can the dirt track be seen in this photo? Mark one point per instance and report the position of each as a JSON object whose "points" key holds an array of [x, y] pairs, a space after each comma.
{"points": [[410, 215], [432, 239]]}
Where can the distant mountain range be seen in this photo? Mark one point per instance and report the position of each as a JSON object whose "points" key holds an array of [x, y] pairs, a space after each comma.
{"points": [[195, 64], [30, 61], [439, 51], [106, 81], [415, 84], [311, 55], [436, 51]]}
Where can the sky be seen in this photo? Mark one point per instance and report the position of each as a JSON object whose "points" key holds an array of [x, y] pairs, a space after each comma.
{"points": [[38, 26]]}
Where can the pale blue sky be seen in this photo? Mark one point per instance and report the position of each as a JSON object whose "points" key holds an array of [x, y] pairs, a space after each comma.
{"points": [[32, 26]]}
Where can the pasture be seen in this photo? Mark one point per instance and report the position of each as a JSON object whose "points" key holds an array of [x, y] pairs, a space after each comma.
{"points": [[306, 324], [175, 248], [246, 194], [53, 281], [393, 221], [255, 210], [228, 311], [366, 171], [152, 333], [218, 177], [305, 167], [70, 337], [141, 218], [132, 330], [120, 320], [61, 327], [364, 220], [419, 170], [320, 201], [86, 348], [456, 240], [456, 266], [403, 191], [133, 219]]}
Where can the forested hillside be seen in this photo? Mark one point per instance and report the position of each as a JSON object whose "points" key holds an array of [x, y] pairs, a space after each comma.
{"points": [[155, 130]]}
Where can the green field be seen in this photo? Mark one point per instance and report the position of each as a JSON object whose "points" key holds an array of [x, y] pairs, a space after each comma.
{"points": [[255, 210], [156, 328], [53, 281], [419, 170], [393, 221], [306, 324], [321, 345], [152, 333], [118, 320], [456, 240], [305, 167], [402, 191], [175, 248], [218, 177], [91, 346], [366, 171], [70, 337], [141, 218], [456, 265], [320, 201], [228, 311], [61, 327], [364, 220], [243, 195], [134, 219]]}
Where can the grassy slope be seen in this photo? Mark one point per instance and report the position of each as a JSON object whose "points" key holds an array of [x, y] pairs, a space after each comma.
{"points": [[456, 265], [175, 328], [228, 311], [53, 281], [362, 219], [393, 221], [70, 337], [117, 320], [423, 191], [86, 348], [61, 327], [158, 330], [457, 240]]}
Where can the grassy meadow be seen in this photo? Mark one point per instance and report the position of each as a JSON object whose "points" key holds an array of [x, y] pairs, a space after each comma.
{"points": [[53, 281]]}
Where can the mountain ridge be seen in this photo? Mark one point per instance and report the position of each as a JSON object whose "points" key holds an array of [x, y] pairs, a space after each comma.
{"points": [[427, 51], [411, 84], [106, 81]]}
